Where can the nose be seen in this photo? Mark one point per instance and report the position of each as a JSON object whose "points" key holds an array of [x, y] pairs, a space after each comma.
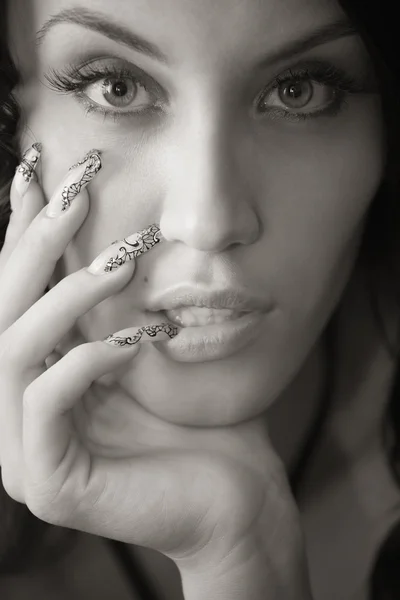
{"points": [[208, 203]]}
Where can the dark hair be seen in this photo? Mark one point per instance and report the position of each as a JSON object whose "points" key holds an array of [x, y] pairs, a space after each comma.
{"points": [[25, 541], [377, 25], [379, 255]]}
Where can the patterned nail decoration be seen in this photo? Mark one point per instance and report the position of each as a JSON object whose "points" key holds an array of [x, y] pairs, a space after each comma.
{"points": [[27, 166], [148, 330], [92, 167], [133, 246]]}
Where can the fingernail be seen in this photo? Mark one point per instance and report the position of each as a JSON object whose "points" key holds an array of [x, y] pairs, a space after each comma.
{"points": [[121, 251], [148, 333], [79, 176], [25, 170]]}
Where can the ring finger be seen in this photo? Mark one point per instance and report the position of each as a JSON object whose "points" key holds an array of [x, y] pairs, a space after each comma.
{"points": [[31, 262]]}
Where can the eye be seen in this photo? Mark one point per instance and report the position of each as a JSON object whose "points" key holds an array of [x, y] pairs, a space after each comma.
{"points": [[110, 87], [118, 92], [296, 94]]}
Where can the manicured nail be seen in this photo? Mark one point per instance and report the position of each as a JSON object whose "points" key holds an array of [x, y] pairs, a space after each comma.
{"points": [[138, 335], [25, 170], [79, 176], [121, 251]]}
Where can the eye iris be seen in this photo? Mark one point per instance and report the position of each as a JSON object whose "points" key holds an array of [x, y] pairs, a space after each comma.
{"points": [[297, 94], [119, 92]]}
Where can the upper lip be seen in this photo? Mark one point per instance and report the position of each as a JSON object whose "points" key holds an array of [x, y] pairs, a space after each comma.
{"points": [[231, 298]]}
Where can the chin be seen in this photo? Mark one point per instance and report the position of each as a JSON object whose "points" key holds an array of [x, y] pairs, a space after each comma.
{"points": [[210, 394]]}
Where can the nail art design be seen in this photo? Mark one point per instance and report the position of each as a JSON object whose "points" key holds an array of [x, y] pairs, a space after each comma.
{"points": [[27, 167], [136, 244], [92, 167], [151, 330]]}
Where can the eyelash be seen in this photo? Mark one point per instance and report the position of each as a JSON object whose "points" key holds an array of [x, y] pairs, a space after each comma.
{"points": [[342, 85], [74, 80]]}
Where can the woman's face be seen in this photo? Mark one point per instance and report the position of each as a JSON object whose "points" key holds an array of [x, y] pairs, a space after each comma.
{"points": [[258, 156]]}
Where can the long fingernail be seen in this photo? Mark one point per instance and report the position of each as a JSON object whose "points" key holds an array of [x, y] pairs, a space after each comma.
{"points": [[25, 170], [121, 251], [79, 176], [138, 335]]}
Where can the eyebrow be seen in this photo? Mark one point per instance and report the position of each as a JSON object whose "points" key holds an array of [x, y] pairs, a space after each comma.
{"points": [[318, 37], [102, 24]]}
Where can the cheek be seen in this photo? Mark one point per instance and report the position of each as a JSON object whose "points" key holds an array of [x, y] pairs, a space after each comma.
{"points": [[122, 198], [319, 197]]}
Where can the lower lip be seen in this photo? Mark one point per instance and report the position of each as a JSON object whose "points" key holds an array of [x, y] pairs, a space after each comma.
{"points": [[213, 342]]}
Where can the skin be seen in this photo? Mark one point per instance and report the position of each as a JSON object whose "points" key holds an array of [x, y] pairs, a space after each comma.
{"points": [[269, 204]]}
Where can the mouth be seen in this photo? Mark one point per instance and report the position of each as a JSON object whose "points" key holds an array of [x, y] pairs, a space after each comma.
{"points": [[213, 325], [196, 316], [193, 296], [202, 343]]}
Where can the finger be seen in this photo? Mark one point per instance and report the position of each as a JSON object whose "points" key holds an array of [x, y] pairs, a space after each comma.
{"points": [[12, 390], [52, 359], [23, 360], [24, 174], [57, 311], [26, 199], [47, 400], [20, 221], [32, 251], [49, 320], [60, 475], [31, 263]]}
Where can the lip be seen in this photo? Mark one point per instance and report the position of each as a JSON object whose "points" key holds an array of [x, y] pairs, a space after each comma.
{"points": [[181, 296], [213, 342], [216, 341]]}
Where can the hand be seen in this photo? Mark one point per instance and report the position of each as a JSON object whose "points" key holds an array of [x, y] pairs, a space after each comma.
{"points": [[216, 501]]}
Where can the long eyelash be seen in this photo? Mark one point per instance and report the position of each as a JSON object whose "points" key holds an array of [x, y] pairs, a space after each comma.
{"points": [[72, 79], [323, 73], [342, 83]]}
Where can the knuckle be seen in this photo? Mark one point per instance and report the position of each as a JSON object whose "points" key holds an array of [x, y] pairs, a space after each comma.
{"points": [[8, 353], [73, 289], [44, 511], [82, 354], [12, 483], [30, 397], [38, 237], [50, 505], [13, 233], [43, 236], [3, 351]]}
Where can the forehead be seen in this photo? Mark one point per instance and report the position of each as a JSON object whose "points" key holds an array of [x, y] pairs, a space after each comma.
{"points": [[214, 26]]}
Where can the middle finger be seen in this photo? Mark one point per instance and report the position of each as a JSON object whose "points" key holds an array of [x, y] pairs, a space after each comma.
{"points": [[35, 335]]}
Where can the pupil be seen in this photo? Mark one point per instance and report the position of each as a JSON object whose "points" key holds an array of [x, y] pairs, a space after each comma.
{"points": [[294, 91], [120, 88]]}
